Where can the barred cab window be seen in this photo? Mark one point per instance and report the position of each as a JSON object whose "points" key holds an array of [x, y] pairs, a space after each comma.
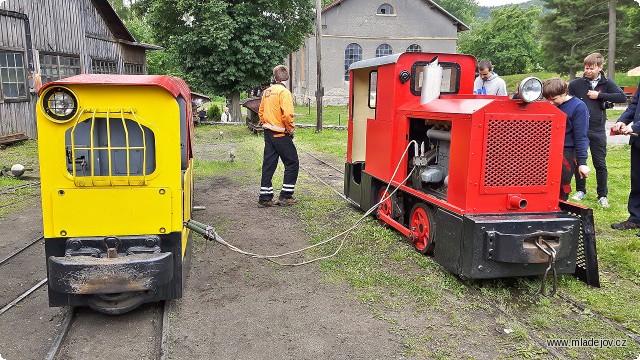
{"points": [[55, 67], [130, 152], [12, 76], [103, 67]]}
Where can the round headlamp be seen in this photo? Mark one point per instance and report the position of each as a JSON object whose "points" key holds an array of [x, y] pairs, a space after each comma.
{"points": [[60, 104], [530, 89]]}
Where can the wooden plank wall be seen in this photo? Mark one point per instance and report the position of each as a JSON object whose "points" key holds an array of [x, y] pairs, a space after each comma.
{"points": [[12, 33], [66, 27], [19, 117]]}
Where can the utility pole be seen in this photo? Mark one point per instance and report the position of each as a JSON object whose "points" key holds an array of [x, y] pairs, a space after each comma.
{"points": [[611, 68], [320, 89]]}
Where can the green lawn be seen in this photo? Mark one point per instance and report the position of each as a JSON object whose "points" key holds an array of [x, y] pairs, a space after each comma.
{"points": [[331, 115], [513, 80], [387, 275]]}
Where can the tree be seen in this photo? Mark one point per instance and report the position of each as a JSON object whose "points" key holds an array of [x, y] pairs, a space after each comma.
{"points": [[628, 35], [507, 39], [572, 30], [465, 10], [226, 47]]}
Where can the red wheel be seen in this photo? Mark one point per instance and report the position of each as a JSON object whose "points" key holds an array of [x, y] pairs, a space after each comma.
{"points": [[422, 229], [386, 206]]}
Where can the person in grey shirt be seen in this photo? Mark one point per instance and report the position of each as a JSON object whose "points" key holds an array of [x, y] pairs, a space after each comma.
{"points": [[488, 82]]}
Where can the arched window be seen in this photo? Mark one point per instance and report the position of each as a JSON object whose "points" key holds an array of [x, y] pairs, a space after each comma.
{"points": [[414, 48], [352, 53], [385, 9], [384, 49]]}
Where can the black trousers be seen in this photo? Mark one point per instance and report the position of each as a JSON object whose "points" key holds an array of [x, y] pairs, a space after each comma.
{"points": [[278, 146], [598, 147], [634, 195], [568, 168]]}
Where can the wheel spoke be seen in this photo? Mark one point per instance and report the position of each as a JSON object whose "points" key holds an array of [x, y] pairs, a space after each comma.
{"points": [[421, 228]]}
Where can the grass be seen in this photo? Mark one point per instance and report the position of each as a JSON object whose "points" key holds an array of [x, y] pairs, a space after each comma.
{"points": [[380, 286], [331, 115], [25, 153], [513, 80], [388, 277]]}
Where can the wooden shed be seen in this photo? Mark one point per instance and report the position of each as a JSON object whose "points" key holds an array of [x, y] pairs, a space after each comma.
{"points": [[46, 40]]}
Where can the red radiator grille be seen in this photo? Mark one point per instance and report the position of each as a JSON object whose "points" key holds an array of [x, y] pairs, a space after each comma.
{"points": [[517, 153]]}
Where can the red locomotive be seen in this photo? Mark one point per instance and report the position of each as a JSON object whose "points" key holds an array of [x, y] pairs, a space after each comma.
{"points": [[477, 176]]}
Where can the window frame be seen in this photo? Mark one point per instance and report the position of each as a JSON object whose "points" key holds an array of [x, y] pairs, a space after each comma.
{"points": [[386, 6], [443, 64], [129, 65], [101, 63], [390, 48], [346, 76], [59, 67], [376, 90], [412, 51], [25, 81]]}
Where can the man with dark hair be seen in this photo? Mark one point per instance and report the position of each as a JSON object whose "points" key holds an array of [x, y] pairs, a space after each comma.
{"points": [[575, 132], [276, 116], [598, 93], [488, 82], [629, 122]]}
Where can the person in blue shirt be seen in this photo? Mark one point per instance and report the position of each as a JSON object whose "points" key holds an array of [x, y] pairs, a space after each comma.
{"points": [[599, 94], [629, 124], [576, 142]]}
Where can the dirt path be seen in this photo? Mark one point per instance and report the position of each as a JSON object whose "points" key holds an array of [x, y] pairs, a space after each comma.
{"points": [[241, 308], [235, 307]]}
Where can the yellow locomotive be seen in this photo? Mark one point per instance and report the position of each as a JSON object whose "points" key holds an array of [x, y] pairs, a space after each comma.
{"points": [[116, 165]]}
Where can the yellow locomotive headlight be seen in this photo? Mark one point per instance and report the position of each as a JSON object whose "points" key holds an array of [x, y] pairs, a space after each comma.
{"points": [[60, 104]]}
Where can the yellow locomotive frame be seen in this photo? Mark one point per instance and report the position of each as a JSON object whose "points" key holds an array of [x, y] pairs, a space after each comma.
{"points": [[116, 180]]}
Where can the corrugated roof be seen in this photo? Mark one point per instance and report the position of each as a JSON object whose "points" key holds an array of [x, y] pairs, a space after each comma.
{"points": [[113, 21], [117, 27]]}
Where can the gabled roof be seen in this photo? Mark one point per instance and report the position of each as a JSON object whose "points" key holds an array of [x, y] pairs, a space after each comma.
{"points": [[459, 24], [113, 21], [117, 27]]}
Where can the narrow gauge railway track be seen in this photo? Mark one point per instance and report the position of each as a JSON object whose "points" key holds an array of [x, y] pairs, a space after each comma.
{"points": [[15, 253], [9, 196], [324, 162], [326, 175], [4, 262], [564, 297], [76, 321], [22, 296], [13, 189]]}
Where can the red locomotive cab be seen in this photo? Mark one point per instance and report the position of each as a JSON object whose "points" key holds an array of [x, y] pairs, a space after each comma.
{"points": [[473, 172]]}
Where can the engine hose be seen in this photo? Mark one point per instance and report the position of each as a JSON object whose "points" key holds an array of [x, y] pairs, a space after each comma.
{"points": [[210, 233]]}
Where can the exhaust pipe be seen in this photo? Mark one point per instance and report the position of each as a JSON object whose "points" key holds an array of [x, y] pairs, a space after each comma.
{"points": [[431, 81]]}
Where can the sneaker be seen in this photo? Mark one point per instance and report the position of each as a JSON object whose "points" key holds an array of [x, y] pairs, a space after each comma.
{"points": [[288, 201], [603, 202], [579, 195], [625, 225], [267, 203]]}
